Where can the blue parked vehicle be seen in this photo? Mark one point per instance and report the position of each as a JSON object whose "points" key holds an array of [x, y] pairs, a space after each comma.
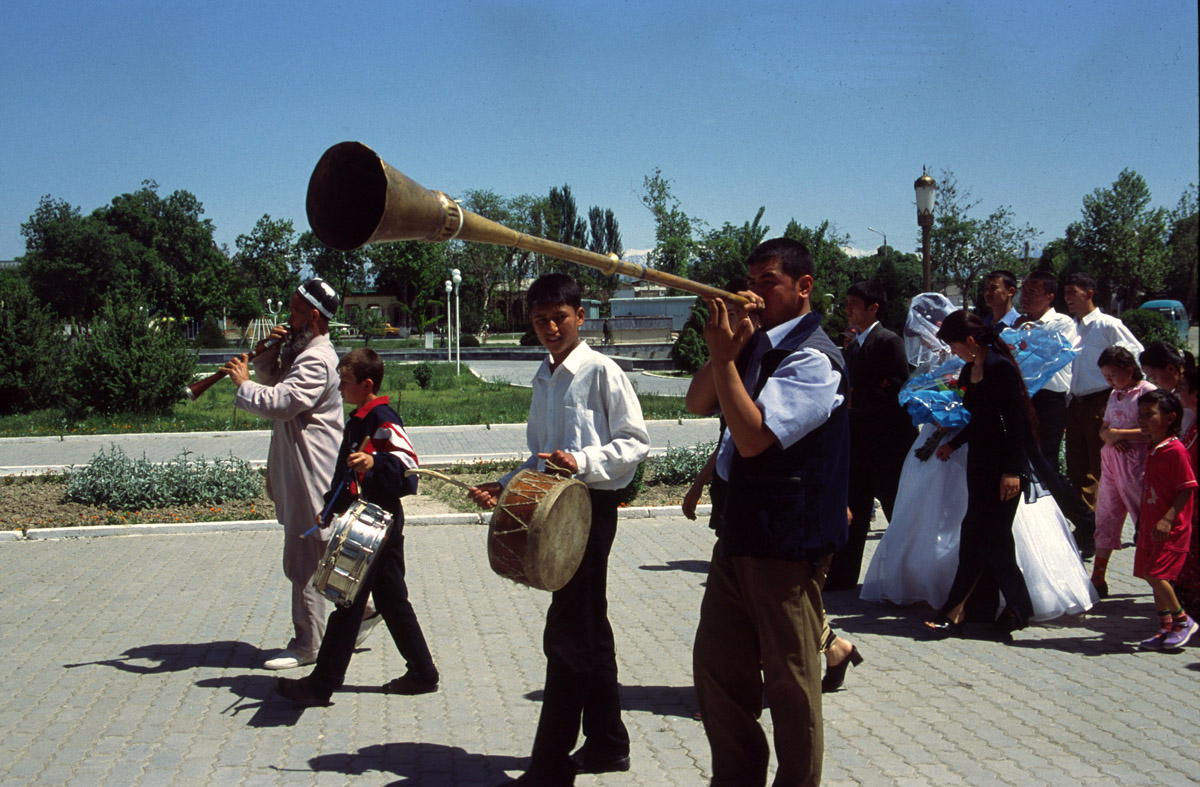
{"points": [[1175, 313]]}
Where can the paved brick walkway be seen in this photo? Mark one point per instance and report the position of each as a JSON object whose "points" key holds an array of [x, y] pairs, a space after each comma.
{"points": [[135, 661]]}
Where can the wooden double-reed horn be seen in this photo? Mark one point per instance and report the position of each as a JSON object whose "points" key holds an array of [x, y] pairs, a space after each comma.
{"points": [[356, 198]]}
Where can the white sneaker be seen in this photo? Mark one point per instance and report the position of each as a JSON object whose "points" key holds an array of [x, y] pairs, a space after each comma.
{"points": [[366, 627], [286, 659]]}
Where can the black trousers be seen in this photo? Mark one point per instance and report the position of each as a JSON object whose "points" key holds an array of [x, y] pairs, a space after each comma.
{"points": [[874, 474], [385, 578], [581, 659], [986, 545], [1051, 410]]}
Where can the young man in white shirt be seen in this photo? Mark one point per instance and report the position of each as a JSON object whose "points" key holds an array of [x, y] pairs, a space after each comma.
{"points": [[585, 417], [999, 291], [1089, 390]]}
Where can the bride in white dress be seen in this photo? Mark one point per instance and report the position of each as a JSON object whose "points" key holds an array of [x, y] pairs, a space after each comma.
{"points": [[917, 557]]}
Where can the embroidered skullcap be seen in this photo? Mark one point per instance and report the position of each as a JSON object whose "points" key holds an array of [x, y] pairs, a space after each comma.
{"points": [[321, 295]]}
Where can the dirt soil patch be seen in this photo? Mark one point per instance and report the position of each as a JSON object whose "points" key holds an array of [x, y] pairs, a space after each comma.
{"points": [[38, 502]]}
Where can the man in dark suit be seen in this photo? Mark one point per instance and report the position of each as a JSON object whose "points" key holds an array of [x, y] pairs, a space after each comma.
{"points": [[880, 430]]}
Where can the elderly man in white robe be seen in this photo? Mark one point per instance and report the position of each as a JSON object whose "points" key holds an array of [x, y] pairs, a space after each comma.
{"points": [[297, 388]]}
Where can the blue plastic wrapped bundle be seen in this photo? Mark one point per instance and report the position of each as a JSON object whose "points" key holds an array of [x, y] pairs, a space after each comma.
{"points": [[933, 396]]}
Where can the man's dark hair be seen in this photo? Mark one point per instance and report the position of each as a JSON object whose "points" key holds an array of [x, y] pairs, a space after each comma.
{"points": [[1083, 282], [869, 292], [1167, 402], [1008, 277], [552, 289], [364, 363], [1046, 279], [794, 257]]}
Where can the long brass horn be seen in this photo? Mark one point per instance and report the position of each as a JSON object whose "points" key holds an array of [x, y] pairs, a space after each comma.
{"points": [[355, 198]]}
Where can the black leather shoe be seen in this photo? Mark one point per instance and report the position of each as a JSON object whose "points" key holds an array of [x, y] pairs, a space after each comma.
{"points": [[412, 683], [586, 762], [300, 691], [836, 675], [942, 627]]}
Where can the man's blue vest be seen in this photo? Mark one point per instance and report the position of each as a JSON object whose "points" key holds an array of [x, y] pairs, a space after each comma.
{"points": [[790, 503]]}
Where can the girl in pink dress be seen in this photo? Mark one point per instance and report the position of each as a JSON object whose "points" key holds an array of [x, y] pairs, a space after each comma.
{"points": [[1122, 458]]}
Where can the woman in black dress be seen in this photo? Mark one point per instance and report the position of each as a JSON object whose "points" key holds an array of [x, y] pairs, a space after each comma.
{"points": [[1000, 434]]}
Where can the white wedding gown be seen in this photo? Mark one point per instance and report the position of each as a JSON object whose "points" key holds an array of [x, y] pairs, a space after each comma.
{"points": [[918, 555]]}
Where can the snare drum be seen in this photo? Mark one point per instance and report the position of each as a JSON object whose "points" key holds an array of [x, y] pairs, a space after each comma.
{"points": [[539, 529], [357, 537]]}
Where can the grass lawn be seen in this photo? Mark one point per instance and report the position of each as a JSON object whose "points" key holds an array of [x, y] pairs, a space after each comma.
{"points": [[448, 400]]}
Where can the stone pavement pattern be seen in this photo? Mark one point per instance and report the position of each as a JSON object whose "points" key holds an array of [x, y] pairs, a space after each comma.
{"points": [[135, 661]]}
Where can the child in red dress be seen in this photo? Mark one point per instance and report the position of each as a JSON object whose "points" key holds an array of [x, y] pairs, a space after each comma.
{"points": [[1166, 516]]}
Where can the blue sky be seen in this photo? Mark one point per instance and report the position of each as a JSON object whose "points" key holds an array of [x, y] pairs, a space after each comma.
{"points": [[815, 112]]}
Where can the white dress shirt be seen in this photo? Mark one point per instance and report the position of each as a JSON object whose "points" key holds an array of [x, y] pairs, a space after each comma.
{"points": [[588, 408], [799, 397], [1064, 325], [1097, 332]]}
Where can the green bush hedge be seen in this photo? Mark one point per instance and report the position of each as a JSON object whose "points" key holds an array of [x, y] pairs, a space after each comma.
{"points": [[1150, 326], [123, 484]]}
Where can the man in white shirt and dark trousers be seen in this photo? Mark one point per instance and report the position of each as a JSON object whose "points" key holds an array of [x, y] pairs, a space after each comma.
{"points": [[1050, 406], [585, 417], [1089, 390]]}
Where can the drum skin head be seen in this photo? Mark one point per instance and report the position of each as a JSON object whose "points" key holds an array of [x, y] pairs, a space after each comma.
{"points": [[541, 522]]}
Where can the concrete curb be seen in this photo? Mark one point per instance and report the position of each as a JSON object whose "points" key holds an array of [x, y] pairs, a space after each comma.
{"points": [[176, 528]]}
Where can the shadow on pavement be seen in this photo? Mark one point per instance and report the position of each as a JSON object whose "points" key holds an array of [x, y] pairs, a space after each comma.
{"points": [[255, 692], [695, 566], [660, 700], [420, 763], [182, 656]]}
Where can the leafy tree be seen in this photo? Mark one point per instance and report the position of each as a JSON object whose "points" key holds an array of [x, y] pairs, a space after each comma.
{"points": [[963, 248], [74, 262], [721, 254], [689, 351], [901, 277], [183, 271], [1121, 240], [604, 238], [131, 363], [674, 231], [484, 266], [267, 261], [411, 271], [1182, 250], [346, 271], [32, 350], [368, 322]]}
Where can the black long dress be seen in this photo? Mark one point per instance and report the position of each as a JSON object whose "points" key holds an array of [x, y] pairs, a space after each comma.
{"points": [[999, 436]]}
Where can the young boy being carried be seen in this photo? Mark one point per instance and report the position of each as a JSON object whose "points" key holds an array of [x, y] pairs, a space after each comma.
{"points": [[586, 418], [375, 473]]}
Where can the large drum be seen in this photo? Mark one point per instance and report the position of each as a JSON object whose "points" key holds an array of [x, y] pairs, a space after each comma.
{"points": [[539, 529], [357, 537]]}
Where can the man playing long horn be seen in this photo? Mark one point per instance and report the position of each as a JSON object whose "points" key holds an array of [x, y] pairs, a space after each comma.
{"points": [[298, 390]]}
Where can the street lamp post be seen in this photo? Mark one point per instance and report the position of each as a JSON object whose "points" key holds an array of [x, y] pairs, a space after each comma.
{"points": [[884, 234], [926, 188], [456, 277], [449, 340]]}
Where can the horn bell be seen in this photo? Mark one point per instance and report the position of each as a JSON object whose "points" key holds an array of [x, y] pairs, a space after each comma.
{"points": [[355, 198]]}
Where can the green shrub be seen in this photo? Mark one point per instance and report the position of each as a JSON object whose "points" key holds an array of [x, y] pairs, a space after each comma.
{"points": [[689, 351], [32, 350], [681, 465], [128, 364], [423, 374], [469, 340], [530, 339], [634, 488], [123, 484], [211, 336], [1150, 326]]}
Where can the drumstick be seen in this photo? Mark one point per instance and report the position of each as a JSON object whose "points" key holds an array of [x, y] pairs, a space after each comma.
{"points": [[336, 493], [436, 474]]}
